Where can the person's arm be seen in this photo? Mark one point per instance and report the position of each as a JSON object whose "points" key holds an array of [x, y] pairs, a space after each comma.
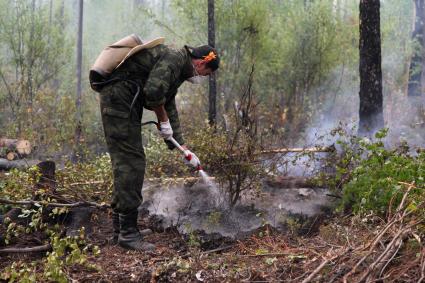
{"points": [[161, 114], [173, 115]]}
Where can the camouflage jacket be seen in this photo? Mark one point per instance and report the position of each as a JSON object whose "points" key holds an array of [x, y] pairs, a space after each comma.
{"points": [[159, 71]]}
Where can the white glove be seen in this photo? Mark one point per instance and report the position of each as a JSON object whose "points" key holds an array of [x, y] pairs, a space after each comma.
{"points": [[191, 158], [165, 130]]}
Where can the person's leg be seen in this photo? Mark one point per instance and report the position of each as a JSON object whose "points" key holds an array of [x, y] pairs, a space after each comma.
{"points": [[124, 141]]}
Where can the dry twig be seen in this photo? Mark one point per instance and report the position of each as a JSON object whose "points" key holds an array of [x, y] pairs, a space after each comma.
{"points": [[323, 264], [53, 204], [43, 248]]}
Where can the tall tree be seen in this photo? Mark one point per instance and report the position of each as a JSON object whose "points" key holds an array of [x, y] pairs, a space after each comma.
{"points": [[212, 109], [416, 64], [78, 115], [31, 62], [371, 100]]}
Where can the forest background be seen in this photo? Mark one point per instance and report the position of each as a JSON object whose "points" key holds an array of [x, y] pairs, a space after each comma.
{"points": [[289, 77], [304, 55]]}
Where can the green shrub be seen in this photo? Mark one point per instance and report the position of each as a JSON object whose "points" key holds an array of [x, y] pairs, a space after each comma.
{"points": [[378, 180], [66, 252]]}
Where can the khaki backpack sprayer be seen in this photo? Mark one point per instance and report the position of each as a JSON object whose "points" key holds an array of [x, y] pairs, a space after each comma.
{"points": [[114, 56]]}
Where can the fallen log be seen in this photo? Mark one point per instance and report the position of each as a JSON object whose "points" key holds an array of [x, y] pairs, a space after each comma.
{"points": [[23, 147], [18, 164], [291, 182]]}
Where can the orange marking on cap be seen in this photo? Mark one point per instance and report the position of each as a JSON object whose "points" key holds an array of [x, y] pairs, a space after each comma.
{"points": [[211, 56]]}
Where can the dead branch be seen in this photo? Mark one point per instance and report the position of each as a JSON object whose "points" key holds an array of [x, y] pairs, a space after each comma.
{"points": [[53, 204], [399, 216], [267, 254], [297, 149], [218, 249], [43, 248], [391, 248], [86, 183], [322, 265]]}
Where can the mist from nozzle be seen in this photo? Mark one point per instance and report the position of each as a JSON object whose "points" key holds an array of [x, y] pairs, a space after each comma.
{"points": [[208, 180]]}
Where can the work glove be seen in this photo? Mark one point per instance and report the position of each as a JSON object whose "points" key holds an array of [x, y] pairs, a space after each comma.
{"points": [[165, 130], [191, 159]]}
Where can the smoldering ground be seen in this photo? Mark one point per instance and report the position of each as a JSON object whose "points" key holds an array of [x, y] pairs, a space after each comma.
{"points": [[203, 208]]}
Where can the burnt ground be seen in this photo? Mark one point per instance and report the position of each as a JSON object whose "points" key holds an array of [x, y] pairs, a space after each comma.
{"points": [[266, 255]]}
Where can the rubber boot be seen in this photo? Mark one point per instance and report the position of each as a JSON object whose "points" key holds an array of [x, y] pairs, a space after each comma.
{"points": [[116, 228], [130, 237]]}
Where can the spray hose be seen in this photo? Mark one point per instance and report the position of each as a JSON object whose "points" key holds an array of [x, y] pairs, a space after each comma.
{"points": [[187, 156]]}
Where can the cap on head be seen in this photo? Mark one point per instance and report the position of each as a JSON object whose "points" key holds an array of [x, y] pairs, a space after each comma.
{"points": [[206, 53]]}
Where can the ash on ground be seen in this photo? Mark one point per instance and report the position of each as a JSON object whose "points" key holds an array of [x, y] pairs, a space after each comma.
{"points": [[201, 208]]}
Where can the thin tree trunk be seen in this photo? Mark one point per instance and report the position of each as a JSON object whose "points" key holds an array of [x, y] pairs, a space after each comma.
{"points": [[212, 110], [62, 14], [371, 99], [78, 115], [30, 65], [50, 12], [416, 65], [163, 10]]}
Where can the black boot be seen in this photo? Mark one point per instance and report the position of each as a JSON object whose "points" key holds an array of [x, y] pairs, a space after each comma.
{"points": [[116, 228], [130, 237]]}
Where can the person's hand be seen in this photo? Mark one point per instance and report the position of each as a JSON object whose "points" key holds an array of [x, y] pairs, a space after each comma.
{"points": [[191, 159], [165, 130]]}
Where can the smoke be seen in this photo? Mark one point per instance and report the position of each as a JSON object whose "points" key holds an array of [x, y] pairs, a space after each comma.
{"points": [[200, 207], [403, 115]]}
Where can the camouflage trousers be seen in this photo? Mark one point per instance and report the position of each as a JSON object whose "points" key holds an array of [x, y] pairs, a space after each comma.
{"points": [[124, 141]]}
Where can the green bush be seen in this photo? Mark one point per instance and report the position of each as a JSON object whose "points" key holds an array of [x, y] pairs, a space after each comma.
{"points": [[378, 180]]}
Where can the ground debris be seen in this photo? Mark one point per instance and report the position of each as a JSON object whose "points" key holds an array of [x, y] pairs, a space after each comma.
{"points": [[350, 249]]}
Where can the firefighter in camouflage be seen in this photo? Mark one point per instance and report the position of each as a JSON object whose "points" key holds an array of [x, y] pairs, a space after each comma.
{"points": [[155, 73]]}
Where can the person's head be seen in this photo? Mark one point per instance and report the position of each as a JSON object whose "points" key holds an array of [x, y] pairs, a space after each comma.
{"points": [[205, 59]]}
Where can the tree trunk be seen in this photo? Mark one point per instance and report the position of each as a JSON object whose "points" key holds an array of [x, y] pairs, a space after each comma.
{"points": [[30, 66], [416, 65], [78, 115], [212, 110], [371, 100]]}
